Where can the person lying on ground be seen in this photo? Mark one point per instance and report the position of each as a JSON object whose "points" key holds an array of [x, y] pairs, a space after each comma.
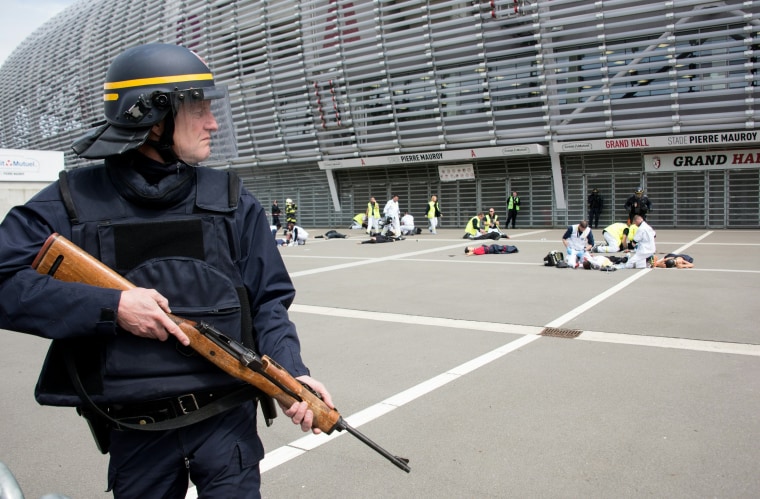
{"points": [[489, 250], [677, 262], [377, 239]]}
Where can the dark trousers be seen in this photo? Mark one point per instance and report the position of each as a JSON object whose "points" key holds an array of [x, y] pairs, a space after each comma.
{"points": [[221, 455], [511, 217], [593, 218]]}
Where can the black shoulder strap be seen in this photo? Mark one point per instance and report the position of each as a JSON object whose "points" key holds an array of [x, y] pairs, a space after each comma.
{"points": [[233, 188], [246, 319], [68, 200]]}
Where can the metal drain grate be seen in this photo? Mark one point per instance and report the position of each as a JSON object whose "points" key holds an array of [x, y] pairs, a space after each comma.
{"points": [[560, 333]]}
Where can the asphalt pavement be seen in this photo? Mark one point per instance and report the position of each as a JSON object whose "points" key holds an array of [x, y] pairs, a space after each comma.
{"points": [[494, 375]]}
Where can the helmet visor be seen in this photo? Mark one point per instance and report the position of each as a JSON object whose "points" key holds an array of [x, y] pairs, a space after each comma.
{"points": [[200, 105]]}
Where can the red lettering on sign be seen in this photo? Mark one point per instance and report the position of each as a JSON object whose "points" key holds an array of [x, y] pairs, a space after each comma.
{"points": [[746, 159], [616, 144]]}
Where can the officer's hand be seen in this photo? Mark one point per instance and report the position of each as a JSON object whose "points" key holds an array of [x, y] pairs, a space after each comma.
{"points": [[142, 312], [300, 413]]}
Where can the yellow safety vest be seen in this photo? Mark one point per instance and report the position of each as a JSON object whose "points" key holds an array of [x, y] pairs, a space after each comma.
{"points": [[431, 213], [514, 202], [489, 223], [471, 226], [373, 210]]}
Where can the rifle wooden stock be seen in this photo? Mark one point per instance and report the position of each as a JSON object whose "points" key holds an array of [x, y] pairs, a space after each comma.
{"points": [[63, 260]]}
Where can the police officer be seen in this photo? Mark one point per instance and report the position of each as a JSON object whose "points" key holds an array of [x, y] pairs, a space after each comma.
{"points": [[196, 243], [276, 211], [594, 203], [638, 204]]}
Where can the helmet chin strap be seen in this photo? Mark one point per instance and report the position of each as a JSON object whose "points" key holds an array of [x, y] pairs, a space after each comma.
{"points": [[164, 145]]}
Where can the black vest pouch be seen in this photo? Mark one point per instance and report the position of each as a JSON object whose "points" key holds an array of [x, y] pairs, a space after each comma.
{"points": [[54, 386], [174, 258]]}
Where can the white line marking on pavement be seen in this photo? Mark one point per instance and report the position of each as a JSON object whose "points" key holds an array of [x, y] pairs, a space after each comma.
{"points": [[368, 261], [677, 343], [692, 243], [421, 320]]}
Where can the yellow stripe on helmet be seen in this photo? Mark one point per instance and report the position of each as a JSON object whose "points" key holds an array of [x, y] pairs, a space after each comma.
{"points": [[158, 80]]}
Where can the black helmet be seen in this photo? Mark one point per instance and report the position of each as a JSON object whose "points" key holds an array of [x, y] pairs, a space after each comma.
{"points": [[143, 84]]}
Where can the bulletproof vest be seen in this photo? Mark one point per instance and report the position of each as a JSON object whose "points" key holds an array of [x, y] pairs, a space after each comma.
{"points": [[186, 250]]}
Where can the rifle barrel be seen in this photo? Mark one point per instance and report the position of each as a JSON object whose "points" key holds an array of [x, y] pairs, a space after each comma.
{"points": [[400, 462]]}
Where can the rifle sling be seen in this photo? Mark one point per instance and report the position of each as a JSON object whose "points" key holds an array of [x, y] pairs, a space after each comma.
{"points": [[234, 399]]}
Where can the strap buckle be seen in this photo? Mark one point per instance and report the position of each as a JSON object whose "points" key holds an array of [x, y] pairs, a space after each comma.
{"points": [[187, 403]]}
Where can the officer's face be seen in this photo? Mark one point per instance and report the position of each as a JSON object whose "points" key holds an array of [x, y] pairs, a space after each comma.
{"points": [[193, 127]]}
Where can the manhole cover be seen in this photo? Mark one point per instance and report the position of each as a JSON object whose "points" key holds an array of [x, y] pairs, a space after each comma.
{"points": [[560, 333]]}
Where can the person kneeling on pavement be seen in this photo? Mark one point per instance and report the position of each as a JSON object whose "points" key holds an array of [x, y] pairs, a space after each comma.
{"points": [[296, 235], [618, 237], [643, 254], [578, 240]]}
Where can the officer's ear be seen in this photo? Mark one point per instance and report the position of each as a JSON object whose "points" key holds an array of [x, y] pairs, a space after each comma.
{"points": [[156, 130]]}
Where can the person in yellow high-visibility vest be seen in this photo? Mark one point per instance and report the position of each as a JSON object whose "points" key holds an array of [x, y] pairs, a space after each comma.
{"points": [[474, 227], [433, 213], [513, 206], [373, 215]]}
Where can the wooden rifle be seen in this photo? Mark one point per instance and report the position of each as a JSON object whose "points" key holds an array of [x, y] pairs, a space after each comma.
{"points": [[63, 260]]}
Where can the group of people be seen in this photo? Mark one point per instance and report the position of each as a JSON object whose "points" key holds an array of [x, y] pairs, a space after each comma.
{"points": [[294, 235], [291, 208], [638, 240], [392, 224], [635, 237], [484, 226]]}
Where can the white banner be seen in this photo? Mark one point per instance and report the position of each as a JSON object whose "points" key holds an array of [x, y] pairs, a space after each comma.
{"points": [[437, 156], [658, 142], [451, 173], [702, 160], [21, 165]]}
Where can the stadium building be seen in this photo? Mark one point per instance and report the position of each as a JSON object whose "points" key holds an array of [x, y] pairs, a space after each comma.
{"points": [[335, 101]]}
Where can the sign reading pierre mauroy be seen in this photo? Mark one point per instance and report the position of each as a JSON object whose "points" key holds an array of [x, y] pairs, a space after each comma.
{"points": [[702, 160], [659, 142]]}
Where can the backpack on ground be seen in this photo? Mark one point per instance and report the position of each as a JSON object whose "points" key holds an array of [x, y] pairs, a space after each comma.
{"points": [[553, 258]]}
